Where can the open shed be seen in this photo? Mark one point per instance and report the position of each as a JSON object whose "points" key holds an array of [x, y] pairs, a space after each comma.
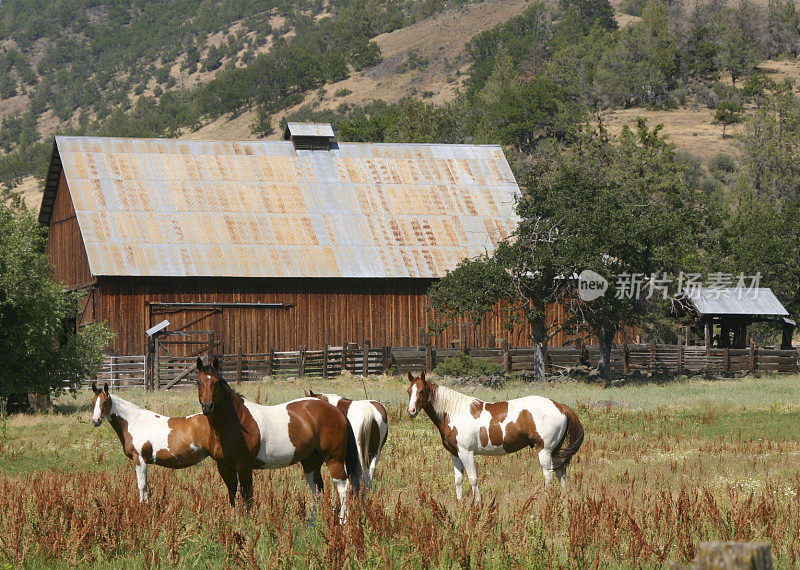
{"points": [[720, 317]]}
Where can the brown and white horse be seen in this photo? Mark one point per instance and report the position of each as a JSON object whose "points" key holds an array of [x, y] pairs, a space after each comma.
{"points": [[148, 437], [370, 425], [247, 436], [471, 427]]}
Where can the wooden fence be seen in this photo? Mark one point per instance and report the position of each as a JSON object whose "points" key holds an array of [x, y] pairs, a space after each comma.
{"points": [[624, 358], [330, 361], [127, 371], [122, 371]]}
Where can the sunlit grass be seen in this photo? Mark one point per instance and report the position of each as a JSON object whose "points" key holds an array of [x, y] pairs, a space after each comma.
{"points": [[663, 467]]}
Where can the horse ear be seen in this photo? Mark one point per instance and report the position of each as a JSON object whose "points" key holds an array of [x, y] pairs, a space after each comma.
{"points": [[105, 388], [422, 376], [94, 388], [200, 367], [215, 364], [311, 394], [410, 376]]}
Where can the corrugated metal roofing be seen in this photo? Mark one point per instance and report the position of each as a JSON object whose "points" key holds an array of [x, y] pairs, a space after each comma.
{"points": [[733, 301], [152, 207], [309, 130]]}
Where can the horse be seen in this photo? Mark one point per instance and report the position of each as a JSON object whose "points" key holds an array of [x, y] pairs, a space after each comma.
{"points": [[151, 438], [370, 424], [247, 436], [471, 427]]}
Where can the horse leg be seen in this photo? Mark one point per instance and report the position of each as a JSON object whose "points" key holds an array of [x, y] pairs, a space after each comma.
{"points": [[228, 474], [339, 476], [458, 473], [370, 472], [341, 486], [141, 479], [561, 473], [313, 474], [546, 461], [246, 486], [468, 459]]}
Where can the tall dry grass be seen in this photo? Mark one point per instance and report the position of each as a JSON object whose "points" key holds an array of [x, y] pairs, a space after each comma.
{"points": [[647, 486]]}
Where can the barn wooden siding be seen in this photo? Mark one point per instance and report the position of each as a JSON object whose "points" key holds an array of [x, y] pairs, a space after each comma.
{"points": [[387, 312]]}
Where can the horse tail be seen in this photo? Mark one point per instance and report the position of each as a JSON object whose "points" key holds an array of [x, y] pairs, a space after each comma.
{"points": [[365, 435], [352, 462], [573, 437]]}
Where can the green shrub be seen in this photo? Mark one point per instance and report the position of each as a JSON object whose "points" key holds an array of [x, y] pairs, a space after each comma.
{"points": [[465, 365]]}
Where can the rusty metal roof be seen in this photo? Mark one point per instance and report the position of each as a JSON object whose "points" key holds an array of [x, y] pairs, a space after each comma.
{"points": [[166, 207], [737, 301]]}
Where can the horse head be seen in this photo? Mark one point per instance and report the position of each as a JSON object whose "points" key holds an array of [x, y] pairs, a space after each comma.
{"points": [[209, 385], [419, 392], [101, 404]]}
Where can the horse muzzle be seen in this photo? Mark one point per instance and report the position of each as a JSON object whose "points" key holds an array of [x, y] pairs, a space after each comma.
{"points": [[97, 423], [208, 409], [413, 413]]}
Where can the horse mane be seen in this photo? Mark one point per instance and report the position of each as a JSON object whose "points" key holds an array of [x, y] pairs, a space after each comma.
{"points": [[115, 399], [450, 402]]}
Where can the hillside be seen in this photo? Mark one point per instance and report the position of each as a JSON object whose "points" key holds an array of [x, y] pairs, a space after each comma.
{"points": [[215, 74], [438, 41]]}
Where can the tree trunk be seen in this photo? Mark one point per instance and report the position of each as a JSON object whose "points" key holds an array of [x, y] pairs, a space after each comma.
{"points": [[539, 338], [606, 338]]}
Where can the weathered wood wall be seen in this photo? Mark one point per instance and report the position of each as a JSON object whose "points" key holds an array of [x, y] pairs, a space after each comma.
{"points": [[65, 244], [385, 312]]}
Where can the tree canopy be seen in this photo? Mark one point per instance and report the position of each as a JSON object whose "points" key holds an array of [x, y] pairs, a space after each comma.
{"points": [[41, 350]]}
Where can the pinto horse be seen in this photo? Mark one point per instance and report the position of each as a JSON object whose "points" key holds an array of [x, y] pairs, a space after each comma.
{"points": [[471, 427], [370, 425], [247, 436], [148, 437]]}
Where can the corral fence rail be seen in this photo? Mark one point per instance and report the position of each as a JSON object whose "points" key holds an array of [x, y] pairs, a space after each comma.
{"points": [[364, 359]]}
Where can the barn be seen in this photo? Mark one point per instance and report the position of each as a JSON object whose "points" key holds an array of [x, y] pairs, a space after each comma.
{"points": [[303, 241]]}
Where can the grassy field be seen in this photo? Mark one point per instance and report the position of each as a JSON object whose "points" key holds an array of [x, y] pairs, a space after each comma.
{"points": [[663, 467]]}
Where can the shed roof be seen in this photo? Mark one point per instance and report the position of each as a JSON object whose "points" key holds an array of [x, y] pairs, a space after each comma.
{"points": [[759, 302], [166, 207]]}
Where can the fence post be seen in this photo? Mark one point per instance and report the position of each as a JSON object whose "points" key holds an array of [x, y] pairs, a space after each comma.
{"points": [[325, 349], [680, 356], [149, 369], [421, 336], [344, 357], [271, 361], [211, 346], [239, 356], [726, 363], [157, 371], [626, 356], [464, 343], [652, 354], [428, 358], [752, 362], [387, 359], [301, 362], [365, 363], [506, 356]]}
